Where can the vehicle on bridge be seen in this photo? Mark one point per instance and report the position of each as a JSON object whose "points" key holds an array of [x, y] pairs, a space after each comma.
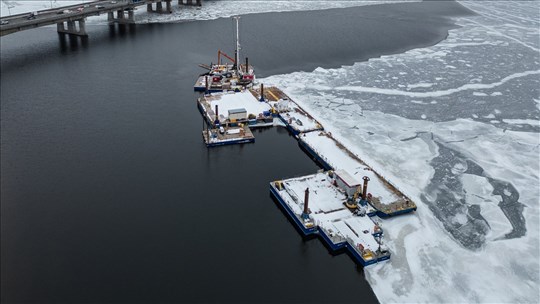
{"points": [[32, 15]]}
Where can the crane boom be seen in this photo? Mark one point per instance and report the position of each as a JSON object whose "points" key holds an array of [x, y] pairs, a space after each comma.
{"points": [[220, 53]]}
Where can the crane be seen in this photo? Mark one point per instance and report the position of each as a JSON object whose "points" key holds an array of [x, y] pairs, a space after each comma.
{"points": [[220, 53]]}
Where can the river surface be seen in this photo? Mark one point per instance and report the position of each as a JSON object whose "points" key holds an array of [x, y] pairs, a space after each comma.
{"points": [[108, 193]]}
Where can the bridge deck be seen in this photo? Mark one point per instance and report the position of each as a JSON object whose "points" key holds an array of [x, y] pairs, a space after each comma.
{"points": [[20, 22]]}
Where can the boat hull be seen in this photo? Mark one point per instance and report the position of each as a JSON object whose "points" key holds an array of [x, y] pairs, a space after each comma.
{"points": [[315, 231], [290, 213], [231, 142]]}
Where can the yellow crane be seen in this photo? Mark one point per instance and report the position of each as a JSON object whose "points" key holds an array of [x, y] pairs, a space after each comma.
{"points": [[351, 203]]}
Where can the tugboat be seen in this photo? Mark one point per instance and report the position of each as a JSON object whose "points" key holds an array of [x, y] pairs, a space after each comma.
{"points": [[232, 76]]}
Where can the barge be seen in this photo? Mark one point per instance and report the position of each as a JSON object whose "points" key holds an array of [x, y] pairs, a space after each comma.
{"points": [[255, 108], [227, 136], [231, 108], [222, 77], [336, 205], [317, 206], [387, 200], [296, 119]]}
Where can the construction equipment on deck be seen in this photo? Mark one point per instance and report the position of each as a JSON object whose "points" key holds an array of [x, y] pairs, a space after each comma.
{"points": [[220, 53]]}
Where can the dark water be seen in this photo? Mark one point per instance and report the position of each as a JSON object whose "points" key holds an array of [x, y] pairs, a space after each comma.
{"points": [[109, 195], [445, 197]]}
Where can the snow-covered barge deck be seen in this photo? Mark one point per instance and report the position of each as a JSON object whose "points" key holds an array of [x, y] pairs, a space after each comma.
{"points": [[231, 108], [386, 199], [296, 120], [249, 108], [322, 210]]}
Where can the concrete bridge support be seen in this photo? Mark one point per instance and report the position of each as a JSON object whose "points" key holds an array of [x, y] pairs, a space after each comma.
{"points": [[190, 2], [121, 17], [72, 27], [159, 7]]}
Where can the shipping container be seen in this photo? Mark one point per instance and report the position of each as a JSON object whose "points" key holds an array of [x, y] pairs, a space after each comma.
{"points": [[237, 114]]}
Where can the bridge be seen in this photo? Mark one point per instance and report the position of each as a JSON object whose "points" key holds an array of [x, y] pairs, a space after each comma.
{"points": [[71, 19]]}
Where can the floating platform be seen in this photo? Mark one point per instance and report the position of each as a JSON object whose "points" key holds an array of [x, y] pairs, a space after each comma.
{"points": [[216, 86], [334, 205], [386, 199], [296, 120], [342, 211], [224, 77], [227, 136], [329, 218], [257, 113], [321, 146]]}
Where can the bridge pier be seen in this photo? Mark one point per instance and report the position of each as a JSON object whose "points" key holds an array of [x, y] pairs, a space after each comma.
{"points": [[190, 2], [159, 7], [72, 28], [121, 17]]}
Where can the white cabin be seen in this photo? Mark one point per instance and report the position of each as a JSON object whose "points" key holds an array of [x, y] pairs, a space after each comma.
{"points": [[347, 182]]}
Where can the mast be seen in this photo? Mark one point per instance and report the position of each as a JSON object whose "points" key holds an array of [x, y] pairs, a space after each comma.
{"points": [[237, 50]]}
